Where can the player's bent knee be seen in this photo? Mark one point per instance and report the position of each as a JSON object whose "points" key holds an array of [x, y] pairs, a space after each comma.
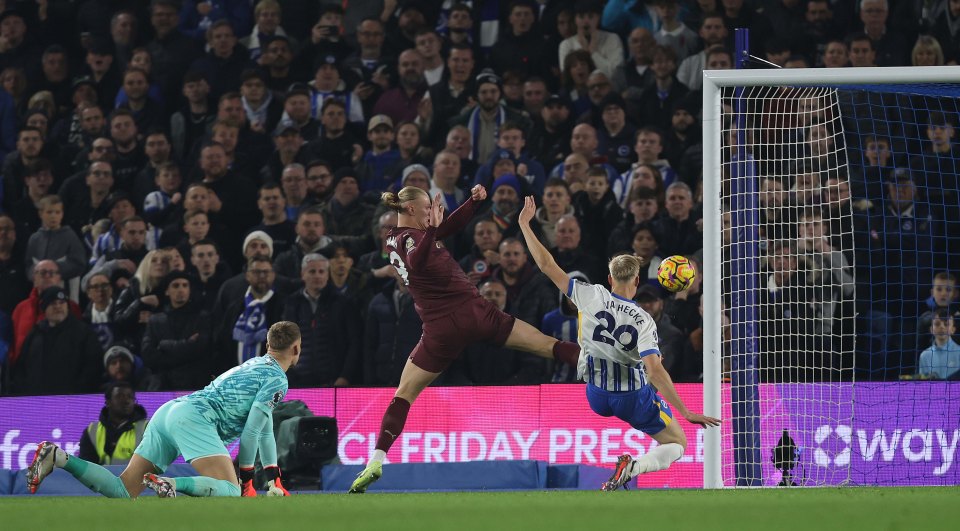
{"points": [[231, 490]]}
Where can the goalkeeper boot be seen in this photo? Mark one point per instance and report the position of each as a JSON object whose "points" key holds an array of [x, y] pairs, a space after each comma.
{"points": [[365, 478], [164, 487], [47, 457], [621, 474]]}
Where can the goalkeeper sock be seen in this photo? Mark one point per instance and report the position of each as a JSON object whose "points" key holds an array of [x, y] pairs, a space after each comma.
{"points": [[203, 486], [566, 352], [96, 478], [659, 458], [393, 420]]}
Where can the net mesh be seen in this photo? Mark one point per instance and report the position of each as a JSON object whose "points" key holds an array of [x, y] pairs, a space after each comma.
{"points": [[840, 230]]}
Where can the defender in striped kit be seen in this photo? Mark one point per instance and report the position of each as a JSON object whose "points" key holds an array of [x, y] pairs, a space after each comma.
{"points": [[620, 358]]}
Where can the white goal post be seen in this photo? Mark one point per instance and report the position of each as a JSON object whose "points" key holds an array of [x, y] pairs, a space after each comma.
{"points": [[717, 86]]}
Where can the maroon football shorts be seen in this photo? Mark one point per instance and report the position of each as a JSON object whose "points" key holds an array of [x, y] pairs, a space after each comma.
{"points": [[444, 339]]}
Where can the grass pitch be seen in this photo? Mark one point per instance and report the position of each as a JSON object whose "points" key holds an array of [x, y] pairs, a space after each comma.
{"points": [[827, 508]]}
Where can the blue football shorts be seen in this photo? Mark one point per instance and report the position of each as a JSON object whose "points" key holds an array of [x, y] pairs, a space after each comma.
{"points": [[643, 409], [177, 428]]}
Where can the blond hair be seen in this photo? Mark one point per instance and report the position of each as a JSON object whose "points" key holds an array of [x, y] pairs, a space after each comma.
{"points": [[282, 335], [625, 267], [395, 201]]}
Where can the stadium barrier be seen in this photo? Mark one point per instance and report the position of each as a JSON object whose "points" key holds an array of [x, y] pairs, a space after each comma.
{"points": [[554, 425]]}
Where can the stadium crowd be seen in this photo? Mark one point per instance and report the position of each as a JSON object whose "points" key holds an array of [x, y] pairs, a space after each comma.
{"points": [[178, 175]]}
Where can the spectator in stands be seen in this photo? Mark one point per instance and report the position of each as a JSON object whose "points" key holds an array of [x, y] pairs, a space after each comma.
{"points": [[196, 227], [504, 208], [369, 58], [521, 46], [835, 54], [232, 196], [208, 273], [141, 298], [85, 203], [561, 323], [656, 106], [828, 273], [677, 232], [942, 359], [615, 134], [296, 108], [261, 108], [605, 48], [129, 156], [598, 87], [890, 45], [945, 31], [112, 438], [786, 315], [346, 214], [325, 39], [111, 240], [293, 180], [644, 244], [38, 179], [862, 50], [328, 83], [713, 32], [669, 338], [486, 364], [512, 137], [133, 246], [60, 355], [242, 327], [943, 296], [55, 242], [266, 15], [598, 212], [28, 312], [160, 205], [649, 148], [377, 262], [485, 120], [330, 326], [449, 97], [310, 238], [552, 131], [484, 255], [273, 221], [643, 208], [556, 202], [673, 33], [99, 312], [634, 77], [393, 328], [939, 187], [926, 52], [226, 60], [446, 176], [372, 167], [529, 292], [458, 140], [335, 143], [122, 367], [13, 285], [176, 343], [277, 60], [428, 45], [289, 148], [146, 112], [348, 280], [571, 254], [29, 148], [401, 102]]}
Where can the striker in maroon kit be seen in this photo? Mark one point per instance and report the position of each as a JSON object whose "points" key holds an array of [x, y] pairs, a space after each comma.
{"points": [[453, 312]]}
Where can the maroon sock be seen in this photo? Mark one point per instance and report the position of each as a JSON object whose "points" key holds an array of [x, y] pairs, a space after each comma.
{"points": [[566, 352], [393, 420]]}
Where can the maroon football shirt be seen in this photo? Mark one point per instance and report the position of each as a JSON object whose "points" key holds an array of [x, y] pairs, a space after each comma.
{"points": [[434, 278]]}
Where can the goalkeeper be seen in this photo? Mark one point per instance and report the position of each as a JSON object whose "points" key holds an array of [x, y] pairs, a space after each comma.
{"points": [[239, 403], [618, 356]]}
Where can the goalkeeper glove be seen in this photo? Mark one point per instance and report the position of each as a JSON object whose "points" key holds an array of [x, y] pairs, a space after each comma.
{"points": [[274, 486], [246, 483]]}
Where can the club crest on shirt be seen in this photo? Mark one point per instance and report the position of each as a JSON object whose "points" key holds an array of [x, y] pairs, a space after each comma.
{"points": [[439, 245], [409, 243]]}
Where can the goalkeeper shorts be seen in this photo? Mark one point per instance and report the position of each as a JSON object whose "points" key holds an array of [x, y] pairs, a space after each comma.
{"points": [[177, 428], [643, 408]]}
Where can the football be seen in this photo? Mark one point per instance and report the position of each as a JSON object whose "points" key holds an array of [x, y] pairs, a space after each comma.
{"points": [[676, 273]]}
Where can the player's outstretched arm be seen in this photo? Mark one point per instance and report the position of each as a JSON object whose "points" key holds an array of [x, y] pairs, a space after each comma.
{"points": [[660, 378], [459, 218], [540, 254]]}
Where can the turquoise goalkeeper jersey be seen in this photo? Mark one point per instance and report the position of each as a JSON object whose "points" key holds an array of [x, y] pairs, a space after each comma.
{"points": [[226, 402]]}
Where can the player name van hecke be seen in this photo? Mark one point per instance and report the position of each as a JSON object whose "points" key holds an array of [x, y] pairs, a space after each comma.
{"points": [[631, 310]]}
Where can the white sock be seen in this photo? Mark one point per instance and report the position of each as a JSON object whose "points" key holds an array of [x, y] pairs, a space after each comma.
{"points": [[59, 457], [377, 457], [659, 458]]}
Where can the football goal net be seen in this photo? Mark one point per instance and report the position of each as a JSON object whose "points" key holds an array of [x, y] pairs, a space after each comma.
{"points": [[831, 237]]}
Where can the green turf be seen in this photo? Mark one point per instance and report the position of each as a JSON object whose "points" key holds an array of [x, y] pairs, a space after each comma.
{"points": [[871, 509]]}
